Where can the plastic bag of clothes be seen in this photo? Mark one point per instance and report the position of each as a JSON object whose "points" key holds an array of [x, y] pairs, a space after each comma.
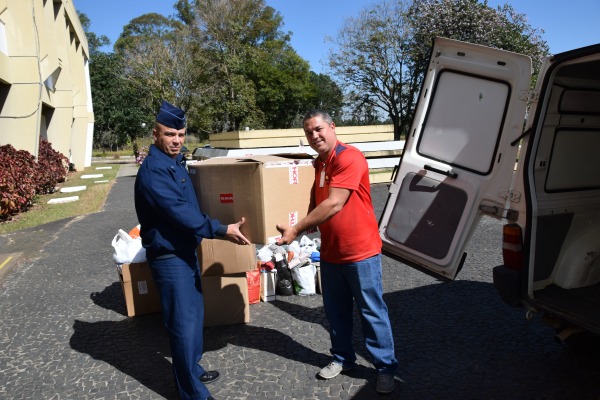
{"points": [[127, 249], [304, 279]]}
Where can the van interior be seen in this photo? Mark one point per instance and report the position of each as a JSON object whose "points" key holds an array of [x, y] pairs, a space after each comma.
{"points": [[564, 203]]}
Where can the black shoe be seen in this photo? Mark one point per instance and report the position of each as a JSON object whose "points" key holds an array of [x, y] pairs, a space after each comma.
{"points": [[209, 377]]}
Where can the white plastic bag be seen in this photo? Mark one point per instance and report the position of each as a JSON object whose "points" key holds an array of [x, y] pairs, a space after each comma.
{"points": [[264, 254], [304, 279], [127, 249], [307, 245]]}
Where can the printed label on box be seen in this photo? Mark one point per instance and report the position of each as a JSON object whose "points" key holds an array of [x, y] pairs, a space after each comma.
{"points": [[142, 287], [293, 218], [294, 175], [226, 197], [273, 239]]}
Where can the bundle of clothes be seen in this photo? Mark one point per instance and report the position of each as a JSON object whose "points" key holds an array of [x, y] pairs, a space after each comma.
{"points": [[295, 265]]}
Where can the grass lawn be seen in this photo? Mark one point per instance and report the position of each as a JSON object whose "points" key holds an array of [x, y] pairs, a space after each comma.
{"points": [[90, 200]]}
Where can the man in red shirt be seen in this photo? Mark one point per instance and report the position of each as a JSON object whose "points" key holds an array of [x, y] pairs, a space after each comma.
{"points": [[350, 251]]}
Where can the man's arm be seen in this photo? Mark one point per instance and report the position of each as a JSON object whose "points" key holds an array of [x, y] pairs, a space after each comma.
{"points": [[321, 213]]}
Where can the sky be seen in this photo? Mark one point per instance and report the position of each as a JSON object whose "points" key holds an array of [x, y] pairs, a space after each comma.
{"points": [[567, 24]]}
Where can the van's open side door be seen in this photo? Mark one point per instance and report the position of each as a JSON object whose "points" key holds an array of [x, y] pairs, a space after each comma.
{"points": [[458, 161]]}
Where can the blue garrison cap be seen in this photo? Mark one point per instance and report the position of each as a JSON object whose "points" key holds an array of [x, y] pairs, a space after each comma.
{"points": [[171, 116]]}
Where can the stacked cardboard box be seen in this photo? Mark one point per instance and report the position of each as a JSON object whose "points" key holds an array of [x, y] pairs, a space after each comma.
{"points": [[224, 283], [141, 295], [265, 190]]}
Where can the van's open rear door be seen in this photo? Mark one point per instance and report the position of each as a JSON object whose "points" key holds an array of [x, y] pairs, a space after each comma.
{"points": [[458, 161]]}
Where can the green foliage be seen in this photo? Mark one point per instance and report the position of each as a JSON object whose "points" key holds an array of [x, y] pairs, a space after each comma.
{"points": [[326, 95], [283, 84], [119, 104], [474, 22], [155, 60], [227, 63]]}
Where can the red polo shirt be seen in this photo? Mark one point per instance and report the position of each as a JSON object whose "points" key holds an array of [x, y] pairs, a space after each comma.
{"points": [[352, 234]]}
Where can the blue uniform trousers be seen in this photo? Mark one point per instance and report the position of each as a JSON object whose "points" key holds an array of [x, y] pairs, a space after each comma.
{"points": [[178, 281]]}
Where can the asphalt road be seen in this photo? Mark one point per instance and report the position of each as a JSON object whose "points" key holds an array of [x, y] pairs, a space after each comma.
{"points": [[64, 333]]}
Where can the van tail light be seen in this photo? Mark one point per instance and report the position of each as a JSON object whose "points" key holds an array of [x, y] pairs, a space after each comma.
{"points": [[512, 246]]}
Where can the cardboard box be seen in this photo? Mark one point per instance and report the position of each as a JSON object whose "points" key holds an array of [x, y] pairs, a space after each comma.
{"points": [[141, 295], [268, 280], [225, 299], [266, 190], [220, 257]]}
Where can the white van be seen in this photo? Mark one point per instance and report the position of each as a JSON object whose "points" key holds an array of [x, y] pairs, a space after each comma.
{"points": [[472, 151]]}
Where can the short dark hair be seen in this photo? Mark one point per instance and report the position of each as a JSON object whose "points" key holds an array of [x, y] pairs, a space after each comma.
{"points": [[317, 113]]}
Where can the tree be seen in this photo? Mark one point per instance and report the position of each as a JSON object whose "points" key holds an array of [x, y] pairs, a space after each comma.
{"points": [[382, 56], [118, 105], [229, 33], [474, 22], [371, 63], [119, 109], [283, 83], [259, 81], [149, 49], [227, 63], [327, 96]]}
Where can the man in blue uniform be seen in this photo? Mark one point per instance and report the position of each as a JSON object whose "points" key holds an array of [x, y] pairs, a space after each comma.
{"points": [[172, 227]]}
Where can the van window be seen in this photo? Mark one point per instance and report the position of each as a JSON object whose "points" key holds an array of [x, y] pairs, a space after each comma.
{"points": [[463, 107], [574, 161]]}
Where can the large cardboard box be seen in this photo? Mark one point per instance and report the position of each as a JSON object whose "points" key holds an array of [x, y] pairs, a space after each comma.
{"points": [[266, 190], [221, 257], [225, 299], [141, 295]]}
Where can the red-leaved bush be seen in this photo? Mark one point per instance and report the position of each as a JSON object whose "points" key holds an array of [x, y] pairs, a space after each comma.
{"points": [[52, 168], [22, 178]]}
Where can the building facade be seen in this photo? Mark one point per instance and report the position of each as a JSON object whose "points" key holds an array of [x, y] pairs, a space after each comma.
{"points": [[44, 79]]}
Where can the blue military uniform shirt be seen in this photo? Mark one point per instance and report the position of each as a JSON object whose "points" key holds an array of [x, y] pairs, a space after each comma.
{"points": [[167, 207]]}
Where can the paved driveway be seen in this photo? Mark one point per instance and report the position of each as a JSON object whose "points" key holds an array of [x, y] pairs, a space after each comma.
{"points": [[64, 333]]}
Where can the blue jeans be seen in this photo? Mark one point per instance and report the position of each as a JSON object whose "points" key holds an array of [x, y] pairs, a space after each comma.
{"points": [[361, 282], [178, 282]]}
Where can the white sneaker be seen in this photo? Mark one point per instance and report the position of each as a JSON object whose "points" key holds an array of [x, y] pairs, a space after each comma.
{"points": [[385, 383], [332, 370]]}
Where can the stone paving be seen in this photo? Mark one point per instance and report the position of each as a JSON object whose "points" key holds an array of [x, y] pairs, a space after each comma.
{"points": [[64, 333]]}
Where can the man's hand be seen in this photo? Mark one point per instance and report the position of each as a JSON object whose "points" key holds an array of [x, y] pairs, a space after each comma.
{"points": [[234, 235], [288, 234]]}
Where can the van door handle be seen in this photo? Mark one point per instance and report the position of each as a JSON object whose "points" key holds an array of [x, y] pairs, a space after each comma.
{"points": [[439, 171]]}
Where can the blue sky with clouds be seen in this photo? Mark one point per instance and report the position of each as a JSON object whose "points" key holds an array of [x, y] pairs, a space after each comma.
{"points": [[567, 24]]}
